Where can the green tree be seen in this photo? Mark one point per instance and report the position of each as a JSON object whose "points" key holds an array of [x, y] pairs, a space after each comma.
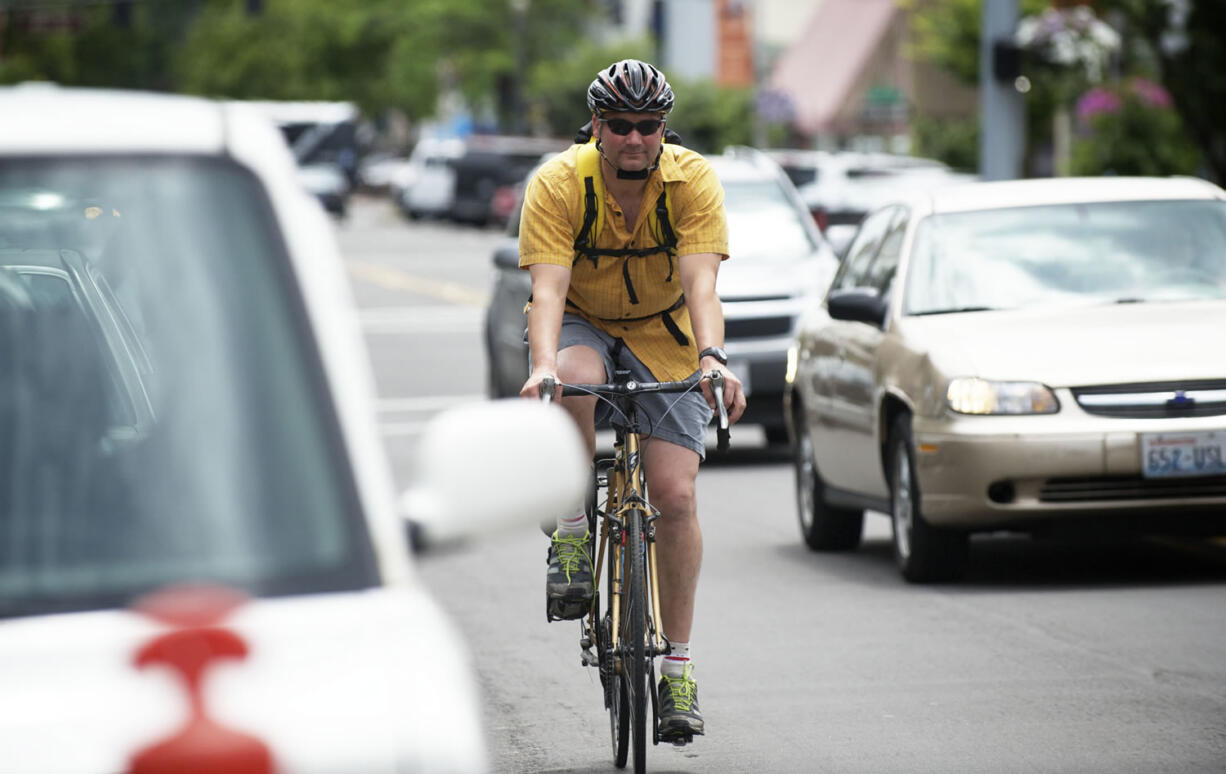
{"points": [[1189, 52], [91, 48], [706, 116], [1186, 52], [1131, 129], [710, 117]]}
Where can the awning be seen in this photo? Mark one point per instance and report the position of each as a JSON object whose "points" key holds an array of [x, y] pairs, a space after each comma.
{"points": [[819, 72]]}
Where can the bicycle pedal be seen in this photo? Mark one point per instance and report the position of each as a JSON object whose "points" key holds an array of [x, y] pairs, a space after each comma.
{"points": [[566, 609]]}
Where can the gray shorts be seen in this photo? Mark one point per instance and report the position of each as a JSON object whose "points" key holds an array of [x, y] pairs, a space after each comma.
{"points": [[679, 418]]}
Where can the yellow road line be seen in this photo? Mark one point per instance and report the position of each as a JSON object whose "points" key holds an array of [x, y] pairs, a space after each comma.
{"points": [[395, 279]]}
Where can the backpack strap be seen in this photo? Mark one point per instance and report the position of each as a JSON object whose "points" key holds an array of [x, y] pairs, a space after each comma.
{"points": [[588, 169]]}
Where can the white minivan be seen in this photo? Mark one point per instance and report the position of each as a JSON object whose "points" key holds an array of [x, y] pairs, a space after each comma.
{"points": [[203, 563]]}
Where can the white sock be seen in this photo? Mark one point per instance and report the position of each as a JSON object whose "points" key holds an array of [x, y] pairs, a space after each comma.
{"points": [[674, 664], [575, 526]]}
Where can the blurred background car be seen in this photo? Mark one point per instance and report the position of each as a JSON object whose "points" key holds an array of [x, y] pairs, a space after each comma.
{"points": [[324, 140], [430, 189], [1026, 356], [841, 187], [489, 166], [469, 180], [326, 181], [780, 265], [384, 172], [191, 473]]}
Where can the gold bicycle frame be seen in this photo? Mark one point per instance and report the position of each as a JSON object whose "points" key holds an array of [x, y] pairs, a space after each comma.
{"points": [[623, 487]]}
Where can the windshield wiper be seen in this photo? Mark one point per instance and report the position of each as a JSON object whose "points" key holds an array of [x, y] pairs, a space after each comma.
{"points": [[954, 310]]}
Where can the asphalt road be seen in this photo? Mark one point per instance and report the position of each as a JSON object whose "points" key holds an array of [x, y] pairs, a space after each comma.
{"points": [[1094, 656]]}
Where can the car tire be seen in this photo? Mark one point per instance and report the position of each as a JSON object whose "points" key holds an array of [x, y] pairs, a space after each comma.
{"points": [[824, 527], [776, 435], [924, 553]]}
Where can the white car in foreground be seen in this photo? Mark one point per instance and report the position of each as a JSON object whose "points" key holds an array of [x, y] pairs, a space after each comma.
{"points": [[203, 563]]}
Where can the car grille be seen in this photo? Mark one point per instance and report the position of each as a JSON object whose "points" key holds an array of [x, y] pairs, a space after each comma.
{"points": [[1204, 398], [1074, 490], [757, 327]]}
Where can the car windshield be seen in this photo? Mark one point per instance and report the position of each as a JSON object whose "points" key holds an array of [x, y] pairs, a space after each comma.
{"points": [[163, 417], [1073, 254], [763, 224]]}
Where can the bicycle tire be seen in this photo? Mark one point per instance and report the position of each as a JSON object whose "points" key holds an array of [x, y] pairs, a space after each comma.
{"points": [[615, 693], [634, 638]]}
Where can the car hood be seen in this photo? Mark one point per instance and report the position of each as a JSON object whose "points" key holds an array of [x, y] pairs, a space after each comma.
{"points": [[372, 681], [1111, 344], [760, 280]]}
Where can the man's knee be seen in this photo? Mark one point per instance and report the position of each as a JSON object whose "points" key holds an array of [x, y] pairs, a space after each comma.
{"points": [[675, 497], [580, 365]]}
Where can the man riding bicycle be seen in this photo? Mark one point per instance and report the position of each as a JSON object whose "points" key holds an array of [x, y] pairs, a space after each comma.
{"points": [[636, 292]]}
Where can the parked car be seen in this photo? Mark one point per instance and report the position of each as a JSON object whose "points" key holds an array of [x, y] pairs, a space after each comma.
{"points": [[326, 181], [203, 563], [490, 163], [464, 179], [430, 190], [779, 266], [841, 187], [323, 138], [1024, 355]]}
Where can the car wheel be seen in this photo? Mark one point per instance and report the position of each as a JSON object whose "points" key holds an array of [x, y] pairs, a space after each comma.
{"points": [[924, 553], [823, 526], [776, 435]]}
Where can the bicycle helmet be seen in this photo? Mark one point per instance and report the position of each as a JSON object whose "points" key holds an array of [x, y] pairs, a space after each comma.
{"points": [[630, 86]]}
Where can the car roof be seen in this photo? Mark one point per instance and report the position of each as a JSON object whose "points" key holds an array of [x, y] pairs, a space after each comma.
{"points": [[738, 163], [967, 197], [45, 118]]}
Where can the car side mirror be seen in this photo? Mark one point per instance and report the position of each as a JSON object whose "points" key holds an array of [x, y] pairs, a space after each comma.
{"points": [[491, 466], [858, 305], [507, 256]]}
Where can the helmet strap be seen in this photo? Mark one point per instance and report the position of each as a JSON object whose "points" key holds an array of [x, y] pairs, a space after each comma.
{"points": [[623, 174]]}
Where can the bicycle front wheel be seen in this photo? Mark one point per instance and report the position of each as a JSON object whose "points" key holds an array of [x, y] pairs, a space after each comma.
{"points": [[634, 639]]}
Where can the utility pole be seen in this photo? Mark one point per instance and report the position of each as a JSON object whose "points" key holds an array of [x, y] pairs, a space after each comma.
{"points": [[1002, 116]]}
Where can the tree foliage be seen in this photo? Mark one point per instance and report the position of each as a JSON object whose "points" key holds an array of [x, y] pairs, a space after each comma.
{"points": [[378, 53], [946, 33], [1186, 53], [1190, 56]]}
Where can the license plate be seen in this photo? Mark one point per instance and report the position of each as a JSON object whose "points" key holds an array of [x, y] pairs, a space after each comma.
{"points": [[1183, 454], [741, 369]]}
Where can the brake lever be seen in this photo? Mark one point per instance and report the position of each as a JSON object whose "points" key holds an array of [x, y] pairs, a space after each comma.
{"points": [[547, 387], [723, 435]]}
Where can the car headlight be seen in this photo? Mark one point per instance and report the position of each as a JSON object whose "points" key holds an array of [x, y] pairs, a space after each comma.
{"points": [[971, 395]]}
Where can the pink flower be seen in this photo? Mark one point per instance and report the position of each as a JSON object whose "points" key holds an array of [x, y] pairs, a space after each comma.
{"points": [[1150, 93], [1096, 102]]}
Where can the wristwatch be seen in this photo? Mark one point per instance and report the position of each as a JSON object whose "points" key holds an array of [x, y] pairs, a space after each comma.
{"points": [[716, 352]]}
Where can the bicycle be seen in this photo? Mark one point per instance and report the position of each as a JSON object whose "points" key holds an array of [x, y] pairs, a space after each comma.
{"points": [[624, 641]]}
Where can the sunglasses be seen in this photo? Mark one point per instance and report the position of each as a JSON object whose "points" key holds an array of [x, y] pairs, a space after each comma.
{"points": [[621, 127]]}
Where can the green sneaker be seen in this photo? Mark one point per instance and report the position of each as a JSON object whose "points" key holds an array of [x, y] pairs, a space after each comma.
{"points": [[569, 588], [679, 716]]}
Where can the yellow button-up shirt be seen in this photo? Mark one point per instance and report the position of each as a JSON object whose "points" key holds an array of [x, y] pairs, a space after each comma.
{"points": [[553, 215]]}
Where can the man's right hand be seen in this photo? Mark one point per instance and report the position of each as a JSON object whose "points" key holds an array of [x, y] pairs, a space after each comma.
{"points": [[532, 387]]}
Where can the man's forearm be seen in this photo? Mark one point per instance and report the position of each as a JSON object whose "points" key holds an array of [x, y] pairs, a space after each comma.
{"points": [[544, 329], [707, 319], [698, 273]]}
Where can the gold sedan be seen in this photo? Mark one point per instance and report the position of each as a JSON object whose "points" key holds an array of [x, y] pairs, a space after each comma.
{"points": [[1017, 356]]}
